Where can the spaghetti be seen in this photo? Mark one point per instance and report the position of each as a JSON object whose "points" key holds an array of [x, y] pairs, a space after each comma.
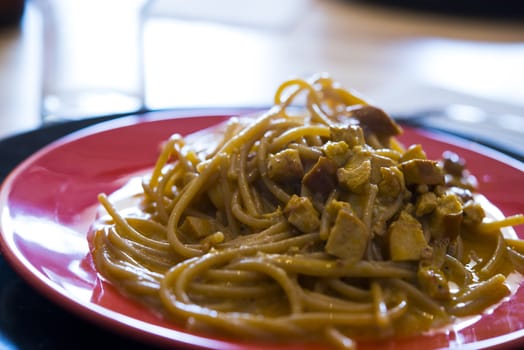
{"points": [[308, 223]]}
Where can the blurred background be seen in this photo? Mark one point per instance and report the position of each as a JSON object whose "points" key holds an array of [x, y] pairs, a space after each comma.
{"points": [[407, 56]]}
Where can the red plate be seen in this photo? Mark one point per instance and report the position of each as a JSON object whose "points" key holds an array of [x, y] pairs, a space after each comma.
{"points": [[49, 202]]}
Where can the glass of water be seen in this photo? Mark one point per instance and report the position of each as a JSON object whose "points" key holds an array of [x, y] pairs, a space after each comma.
{"points": [[92, 58]]}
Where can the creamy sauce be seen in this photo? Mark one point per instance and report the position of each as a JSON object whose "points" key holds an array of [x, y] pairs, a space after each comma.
{"points": [[127, 200]]}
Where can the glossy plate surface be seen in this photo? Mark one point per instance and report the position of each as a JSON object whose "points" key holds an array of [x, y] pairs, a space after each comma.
{"points": [[48, 203]]}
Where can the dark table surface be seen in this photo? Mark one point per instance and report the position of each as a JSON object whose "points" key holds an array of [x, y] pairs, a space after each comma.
{"points": [[27, 319]]}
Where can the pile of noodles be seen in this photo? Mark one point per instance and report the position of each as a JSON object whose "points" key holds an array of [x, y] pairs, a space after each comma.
{"points": [[308, 224]]}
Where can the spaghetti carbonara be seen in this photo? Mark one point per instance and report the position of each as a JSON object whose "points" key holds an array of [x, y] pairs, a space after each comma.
{"points": [[310, 222]]}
